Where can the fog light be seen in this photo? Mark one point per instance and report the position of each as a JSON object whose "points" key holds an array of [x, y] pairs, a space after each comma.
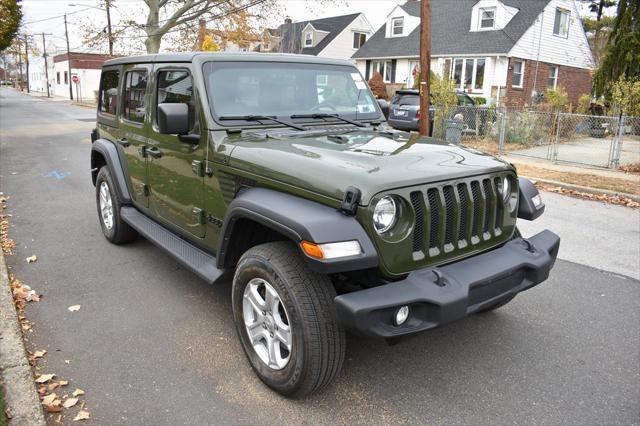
{"points": [[401, 315]]}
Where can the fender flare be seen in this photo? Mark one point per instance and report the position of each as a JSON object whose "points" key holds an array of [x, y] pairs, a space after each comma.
{"points": [[527, 209], [109, 152], [298, 219]]}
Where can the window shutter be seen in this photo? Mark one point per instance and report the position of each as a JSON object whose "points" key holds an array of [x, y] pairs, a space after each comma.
{"points": [[393, 70], [367, 71]]}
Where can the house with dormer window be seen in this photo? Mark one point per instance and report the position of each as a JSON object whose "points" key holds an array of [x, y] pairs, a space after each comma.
{"points": [[337, 37], [506, 51]]}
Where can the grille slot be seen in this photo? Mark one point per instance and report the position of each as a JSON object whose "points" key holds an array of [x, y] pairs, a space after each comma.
{"points": [[499, 205], [449, 204], [464, 210], [433, 197], [478, 202], [488, 193], [418, 231]]}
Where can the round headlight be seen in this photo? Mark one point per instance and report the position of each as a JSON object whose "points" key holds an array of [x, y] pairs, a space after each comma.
{"points": [[504, 188], [384, 214]]}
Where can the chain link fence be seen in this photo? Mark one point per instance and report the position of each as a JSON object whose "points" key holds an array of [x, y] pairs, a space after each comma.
{"points": [[601, 141]]}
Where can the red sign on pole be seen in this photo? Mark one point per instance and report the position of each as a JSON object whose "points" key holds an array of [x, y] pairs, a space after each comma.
{"points": [[75, 79]]}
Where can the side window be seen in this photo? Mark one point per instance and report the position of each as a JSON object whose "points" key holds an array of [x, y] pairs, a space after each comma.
{"points": [[109, 92], [135, 87], [176, 86]]}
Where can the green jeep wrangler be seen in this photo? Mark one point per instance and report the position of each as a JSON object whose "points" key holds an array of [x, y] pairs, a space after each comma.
{"points": [[281, 170]]}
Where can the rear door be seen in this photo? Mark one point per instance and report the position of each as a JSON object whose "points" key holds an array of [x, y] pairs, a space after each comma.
{"points": [[176, 183], [134, 128]]}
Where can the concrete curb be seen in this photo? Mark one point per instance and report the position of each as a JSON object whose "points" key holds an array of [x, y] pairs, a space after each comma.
{"points": [[20, 396], [587, 189]]}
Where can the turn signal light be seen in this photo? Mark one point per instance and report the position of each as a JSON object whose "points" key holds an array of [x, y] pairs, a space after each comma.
{"points": [[312, 249]]}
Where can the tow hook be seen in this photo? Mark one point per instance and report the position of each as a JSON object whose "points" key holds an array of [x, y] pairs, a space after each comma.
{"points": [[530, 248], [439, 278]]}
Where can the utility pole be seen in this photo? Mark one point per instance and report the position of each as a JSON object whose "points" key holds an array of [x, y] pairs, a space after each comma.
{"points": [[26, 58], [425, 65], [46, 65], [107, 4], [66, 35], [19, 54]]}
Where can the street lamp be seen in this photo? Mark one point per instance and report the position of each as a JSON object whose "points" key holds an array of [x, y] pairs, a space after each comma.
{"points": [[107, 4]]}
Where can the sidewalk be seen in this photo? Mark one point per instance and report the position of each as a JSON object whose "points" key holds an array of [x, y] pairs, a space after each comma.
{"points": [[606, 180], [56, 98]]}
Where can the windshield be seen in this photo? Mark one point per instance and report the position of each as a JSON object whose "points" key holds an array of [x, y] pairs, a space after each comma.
{"points": [[280, 89]]}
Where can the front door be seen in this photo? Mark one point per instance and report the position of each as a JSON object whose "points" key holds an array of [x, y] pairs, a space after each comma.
{"points": [[176, 185], [134, 129]]}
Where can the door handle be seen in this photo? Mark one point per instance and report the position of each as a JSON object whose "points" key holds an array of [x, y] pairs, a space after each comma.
{"points": [[123, 142], [154, 152]]}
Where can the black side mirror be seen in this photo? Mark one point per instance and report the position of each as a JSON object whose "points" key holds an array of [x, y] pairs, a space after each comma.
{"points": [[384, 106], [173, 119]]}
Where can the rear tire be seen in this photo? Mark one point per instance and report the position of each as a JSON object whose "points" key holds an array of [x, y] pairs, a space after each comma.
{"points": [[113, 227], [304, 308]]}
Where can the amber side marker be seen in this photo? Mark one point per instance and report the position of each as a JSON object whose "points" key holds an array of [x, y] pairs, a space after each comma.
{"points": [[312, 249]]}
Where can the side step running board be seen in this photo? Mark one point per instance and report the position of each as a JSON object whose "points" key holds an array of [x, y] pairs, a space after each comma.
{"points": [[198, 261]]}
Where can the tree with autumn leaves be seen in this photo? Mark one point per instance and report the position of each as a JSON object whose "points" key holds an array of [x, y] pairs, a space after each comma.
{"points": [[10, 16]]}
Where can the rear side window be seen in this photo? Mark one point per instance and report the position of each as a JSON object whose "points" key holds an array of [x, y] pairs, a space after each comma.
{"points": [[109, 91], [177, 87], [135, 87], [412, 100]]}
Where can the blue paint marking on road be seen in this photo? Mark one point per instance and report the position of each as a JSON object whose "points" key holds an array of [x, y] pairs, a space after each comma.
{"points": [[56, 174]]}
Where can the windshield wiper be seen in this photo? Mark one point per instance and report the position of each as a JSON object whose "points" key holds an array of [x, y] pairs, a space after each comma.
{"points": [[326, 115], [261, 118]]}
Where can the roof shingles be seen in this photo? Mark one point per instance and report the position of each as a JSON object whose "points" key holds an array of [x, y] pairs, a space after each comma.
{"points": [[450, 35]]}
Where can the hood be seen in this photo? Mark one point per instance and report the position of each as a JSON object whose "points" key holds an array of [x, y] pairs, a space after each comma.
{"points": [[371, 161]]}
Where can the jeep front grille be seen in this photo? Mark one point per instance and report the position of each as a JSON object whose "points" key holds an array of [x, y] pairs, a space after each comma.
{"points": [[453, 217]]}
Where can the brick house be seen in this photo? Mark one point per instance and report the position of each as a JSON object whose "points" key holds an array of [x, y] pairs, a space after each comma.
{"points": [[506, 51]]}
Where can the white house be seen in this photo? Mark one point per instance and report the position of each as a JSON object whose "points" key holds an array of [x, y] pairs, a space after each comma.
{"points": [[86, 66], [338, 37], [502, 50], [38, 76]]}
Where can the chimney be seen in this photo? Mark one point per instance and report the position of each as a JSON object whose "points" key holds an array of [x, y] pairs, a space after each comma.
{"points": [[202, 31], [287, 20]]}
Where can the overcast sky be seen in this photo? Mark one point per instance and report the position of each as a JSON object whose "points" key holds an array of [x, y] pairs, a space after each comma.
{"points": [[298, 10]]}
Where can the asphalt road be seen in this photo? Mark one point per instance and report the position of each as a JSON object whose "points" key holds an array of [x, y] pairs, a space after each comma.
{"points": [[152, 344]]}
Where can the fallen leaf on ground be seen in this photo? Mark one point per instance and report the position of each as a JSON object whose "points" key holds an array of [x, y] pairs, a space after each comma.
{"points": [[78, 392], [82, 415], [66, 361], [53, 408], [52, 386], [45, 378], [74, 308], [58, 418], [48, 400], [70, 402], [39, 354], [63, 382], [32, 259]]}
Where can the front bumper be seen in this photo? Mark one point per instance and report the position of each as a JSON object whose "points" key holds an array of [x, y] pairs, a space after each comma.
{"points": [[440, 295]]}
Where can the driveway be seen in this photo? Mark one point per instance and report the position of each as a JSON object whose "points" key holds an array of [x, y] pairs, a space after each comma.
{"points": [[151, 344]]}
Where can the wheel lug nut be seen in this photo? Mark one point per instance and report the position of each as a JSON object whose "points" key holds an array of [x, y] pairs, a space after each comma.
{"points": [[264, 313], [271, 334]]}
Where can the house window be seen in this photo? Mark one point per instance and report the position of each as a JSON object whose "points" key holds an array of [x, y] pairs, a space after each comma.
{"points": [[66, 78], [561, 23], [518, 74], [384, 68], [553, 77], [108, 92], [487, 18], [468, 73], [397, 26], [58, 77], [308, 39], [134, 96], [358, 40]]}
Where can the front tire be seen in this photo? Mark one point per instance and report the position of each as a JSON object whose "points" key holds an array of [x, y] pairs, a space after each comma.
{"points": [[285, 318], [113, 227]]}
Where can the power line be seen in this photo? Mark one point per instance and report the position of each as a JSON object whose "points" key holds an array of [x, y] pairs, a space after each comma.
{"points": [[57, 16]]}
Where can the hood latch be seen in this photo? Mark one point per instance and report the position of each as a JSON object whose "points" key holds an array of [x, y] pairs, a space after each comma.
{"points": [[349, 204]]}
